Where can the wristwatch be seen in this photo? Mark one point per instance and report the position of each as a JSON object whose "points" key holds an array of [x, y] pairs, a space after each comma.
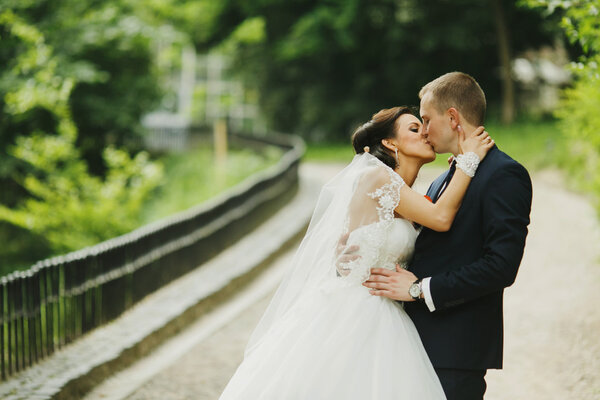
{"points": [[415, 290]]}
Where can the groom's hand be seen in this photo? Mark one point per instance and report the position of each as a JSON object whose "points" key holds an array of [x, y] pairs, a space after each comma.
{"points": [[391, 284]]}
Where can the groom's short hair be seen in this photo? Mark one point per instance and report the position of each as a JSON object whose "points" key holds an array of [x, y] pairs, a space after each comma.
{"points": [[458, 90]]}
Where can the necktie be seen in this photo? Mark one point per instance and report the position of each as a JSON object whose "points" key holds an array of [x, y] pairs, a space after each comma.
{"points": [[444, 184]]}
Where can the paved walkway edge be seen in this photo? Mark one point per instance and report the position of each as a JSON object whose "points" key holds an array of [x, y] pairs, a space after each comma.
{"points": [[79, 367]]}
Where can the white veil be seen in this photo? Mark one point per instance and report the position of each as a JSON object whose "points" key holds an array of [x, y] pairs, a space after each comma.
{"points": [[364, 193]]}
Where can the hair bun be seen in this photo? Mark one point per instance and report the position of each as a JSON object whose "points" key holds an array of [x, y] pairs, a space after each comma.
{"points": [[368, 137]]}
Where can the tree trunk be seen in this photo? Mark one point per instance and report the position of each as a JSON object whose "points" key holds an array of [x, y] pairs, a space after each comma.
{"points": [[508, 86]]}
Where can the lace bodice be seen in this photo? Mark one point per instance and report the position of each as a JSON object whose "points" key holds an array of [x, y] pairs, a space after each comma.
{"points": [[356, 207], [382, 240], [381, 247]]}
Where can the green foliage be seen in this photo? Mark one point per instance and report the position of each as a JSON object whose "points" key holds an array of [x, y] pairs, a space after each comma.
{"points": [[99, 51], [35, 94], [323, 66], [68, 206], [578, 112], [60, 201], [580, 121]]}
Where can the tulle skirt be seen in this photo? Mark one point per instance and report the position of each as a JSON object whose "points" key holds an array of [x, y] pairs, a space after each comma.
{"points": [[338, 344]]}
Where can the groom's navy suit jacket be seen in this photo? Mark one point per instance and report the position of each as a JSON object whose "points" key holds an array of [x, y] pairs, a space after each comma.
{"points": [[471, 264]]}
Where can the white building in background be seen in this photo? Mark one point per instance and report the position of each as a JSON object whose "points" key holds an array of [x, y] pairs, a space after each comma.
{"points": [[224, 97], [541, 74], [202, 92], [166, 131]]}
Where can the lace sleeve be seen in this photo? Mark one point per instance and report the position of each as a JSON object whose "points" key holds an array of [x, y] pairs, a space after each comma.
{"points": [[370, 213], [388, 196]]}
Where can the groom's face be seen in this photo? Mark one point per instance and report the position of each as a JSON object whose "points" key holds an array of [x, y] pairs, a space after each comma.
{"points": [[436, 126]]}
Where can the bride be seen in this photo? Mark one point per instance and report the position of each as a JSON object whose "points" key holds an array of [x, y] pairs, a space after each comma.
{"points": [[324, 336]]}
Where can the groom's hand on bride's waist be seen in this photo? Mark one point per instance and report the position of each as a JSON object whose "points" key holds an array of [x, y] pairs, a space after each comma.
{"points": [[391, 284]]}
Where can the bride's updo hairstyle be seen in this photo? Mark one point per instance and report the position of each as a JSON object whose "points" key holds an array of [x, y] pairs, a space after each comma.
{"points": [[381, 126]]}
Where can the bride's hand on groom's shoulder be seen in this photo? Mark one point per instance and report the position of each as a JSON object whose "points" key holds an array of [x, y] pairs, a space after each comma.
{"points": [[391, 284]]}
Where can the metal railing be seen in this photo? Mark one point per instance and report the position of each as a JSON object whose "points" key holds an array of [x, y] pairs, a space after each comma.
{"points": [[59, 299]]}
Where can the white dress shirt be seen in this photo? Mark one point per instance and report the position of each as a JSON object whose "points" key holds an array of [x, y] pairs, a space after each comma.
{"points": [[427, 293]]}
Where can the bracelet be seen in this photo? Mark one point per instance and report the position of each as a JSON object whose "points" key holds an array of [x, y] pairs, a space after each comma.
{"points": [[468, 162]]}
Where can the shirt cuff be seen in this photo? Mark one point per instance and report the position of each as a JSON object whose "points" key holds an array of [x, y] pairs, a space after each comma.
{"points": [[427, 293]]}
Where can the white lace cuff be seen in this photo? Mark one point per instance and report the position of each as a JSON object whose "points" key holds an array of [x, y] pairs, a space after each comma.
{"points": [[468, 162]]}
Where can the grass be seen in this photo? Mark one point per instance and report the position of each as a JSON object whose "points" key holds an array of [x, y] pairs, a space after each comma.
{"points": [[532, 143], [193, 177]]}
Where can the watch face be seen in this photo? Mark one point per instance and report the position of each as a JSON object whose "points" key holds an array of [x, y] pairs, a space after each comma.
{"points": [[414, 290]]}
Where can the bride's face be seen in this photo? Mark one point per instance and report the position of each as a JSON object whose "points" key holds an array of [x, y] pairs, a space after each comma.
{"points": [[409, 139]]}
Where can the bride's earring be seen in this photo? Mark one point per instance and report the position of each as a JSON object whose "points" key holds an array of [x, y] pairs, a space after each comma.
{"points": [[396, 151]]}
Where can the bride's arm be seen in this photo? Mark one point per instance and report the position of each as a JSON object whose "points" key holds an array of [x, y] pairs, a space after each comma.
{"points": [[440, 216]]}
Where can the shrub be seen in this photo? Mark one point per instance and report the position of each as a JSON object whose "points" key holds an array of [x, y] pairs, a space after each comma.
{"points": [[68, 206], [578, 111]]}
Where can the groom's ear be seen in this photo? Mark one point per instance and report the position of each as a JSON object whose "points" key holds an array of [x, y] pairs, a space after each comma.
{"points": [[454, 117]]}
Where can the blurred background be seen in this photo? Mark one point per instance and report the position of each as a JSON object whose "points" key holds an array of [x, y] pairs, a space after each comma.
{"points": [[116, 114], [98, 96]]}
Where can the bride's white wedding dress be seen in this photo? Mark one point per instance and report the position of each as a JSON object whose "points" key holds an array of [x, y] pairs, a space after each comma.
{"points": [[335, 340]]}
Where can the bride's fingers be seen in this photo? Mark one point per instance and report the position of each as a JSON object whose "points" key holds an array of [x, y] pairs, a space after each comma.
{"points": [[377, 285], [378, 278], [486, 139], [386, 293], [480, 130], [381, 271]]}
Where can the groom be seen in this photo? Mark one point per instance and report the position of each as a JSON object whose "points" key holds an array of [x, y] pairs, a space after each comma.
{"points": [[453, 292]]}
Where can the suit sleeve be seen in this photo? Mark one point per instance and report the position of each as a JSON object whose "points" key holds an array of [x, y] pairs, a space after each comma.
{"points": [[506, 204]]}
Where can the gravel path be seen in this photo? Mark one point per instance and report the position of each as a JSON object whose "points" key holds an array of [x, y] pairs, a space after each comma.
{"points": [[552, 344], [552, 311]]}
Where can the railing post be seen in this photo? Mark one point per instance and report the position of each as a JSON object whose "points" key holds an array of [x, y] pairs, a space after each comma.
{"points": [[3, 327], [28, 311], [37, 315], [11, 325], [21, 318], [220, 143]]}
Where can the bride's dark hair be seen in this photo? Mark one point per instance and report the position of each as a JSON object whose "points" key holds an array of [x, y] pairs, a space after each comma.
{"points": [[381, 126]]}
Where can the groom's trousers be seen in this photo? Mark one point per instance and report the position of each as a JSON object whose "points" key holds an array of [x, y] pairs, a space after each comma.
{"points": [[462, 384]]}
